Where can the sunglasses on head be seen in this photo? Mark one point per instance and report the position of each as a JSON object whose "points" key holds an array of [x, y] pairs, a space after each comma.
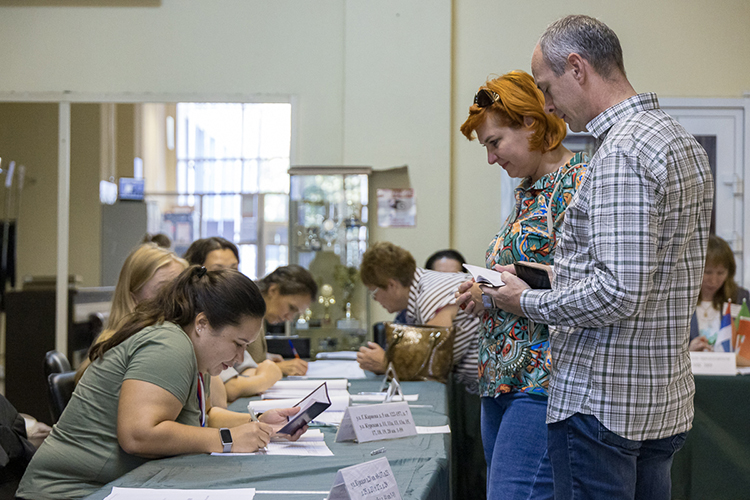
{"points": [[486, 97]]}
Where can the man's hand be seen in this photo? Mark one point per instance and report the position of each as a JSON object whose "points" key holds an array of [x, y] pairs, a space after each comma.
{"points": [[372, 358], [469, 297], [508, 297]]}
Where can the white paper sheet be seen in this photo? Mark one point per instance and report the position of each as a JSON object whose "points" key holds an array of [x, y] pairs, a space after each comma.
{"points": [[333, 384], [327, 368], [485, 276], [378, 397], [338, 355], [339, 402], [439, 429], [299, 394], [170, 494], [310, 444]]}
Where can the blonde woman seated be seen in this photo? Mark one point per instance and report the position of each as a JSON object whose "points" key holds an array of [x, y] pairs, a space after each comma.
{"points": [[144, 273], [143, 396], [396, 283]]}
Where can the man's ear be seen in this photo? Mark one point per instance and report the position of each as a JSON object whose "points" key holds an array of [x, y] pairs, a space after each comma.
{"points": [[579, 66]]}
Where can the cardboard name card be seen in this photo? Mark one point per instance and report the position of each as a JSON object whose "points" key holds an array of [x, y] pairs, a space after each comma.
{"points": [[376, 422], [713, 363], [368, 481]]}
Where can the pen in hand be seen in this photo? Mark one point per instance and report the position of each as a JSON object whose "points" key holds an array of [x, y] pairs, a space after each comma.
{"points": [[294, 351], [253, 418]]}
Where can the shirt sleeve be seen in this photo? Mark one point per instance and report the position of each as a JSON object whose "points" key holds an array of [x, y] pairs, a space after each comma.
{"points": [[164, 358], [622, 227]]}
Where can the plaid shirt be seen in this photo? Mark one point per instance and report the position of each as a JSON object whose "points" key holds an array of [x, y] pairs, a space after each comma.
{"points": [[629, 266]]}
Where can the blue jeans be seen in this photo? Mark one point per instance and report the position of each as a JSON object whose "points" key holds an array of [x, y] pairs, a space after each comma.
{"points": [[514, 436], [591, 462]]}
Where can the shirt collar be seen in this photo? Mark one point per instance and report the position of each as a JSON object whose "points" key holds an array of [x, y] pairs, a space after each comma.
{"points": [[600, 125]]}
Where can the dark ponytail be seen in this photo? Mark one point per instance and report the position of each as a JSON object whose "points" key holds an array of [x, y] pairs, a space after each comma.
{"points": [[225, 296]]}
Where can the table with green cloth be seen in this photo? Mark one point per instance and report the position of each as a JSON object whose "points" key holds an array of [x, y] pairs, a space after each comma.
{"points": [[420, 463], [715, 461]]}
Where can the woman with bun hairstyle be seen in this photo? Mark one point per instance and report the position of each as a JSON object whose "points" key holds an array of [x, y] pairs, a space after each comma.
{"points": [[144, 396]]}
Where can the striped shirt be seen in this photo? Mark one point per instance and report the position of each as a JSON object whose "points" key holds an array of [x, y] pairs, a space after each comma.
{"points": [[431, 291], [628, 269]]}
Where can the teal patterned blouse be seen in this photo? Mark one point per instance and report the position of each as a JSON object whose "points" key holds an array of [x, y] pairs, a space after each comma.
{"points": [[514, 353]]}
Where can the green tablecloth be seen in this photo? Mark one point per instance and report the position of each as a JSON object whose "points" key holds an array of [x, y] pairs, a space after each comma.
{"points": [[715, 461], [419, 463]]}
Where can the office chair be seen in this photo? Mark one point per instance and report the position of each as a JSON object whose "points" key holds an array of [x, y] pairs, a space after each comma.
{"points": [[61, 387], [55, 362]]}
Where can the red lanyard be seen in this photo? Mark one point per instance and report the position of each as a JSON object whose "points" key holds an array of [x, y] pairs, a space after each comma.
{"points": [[201, 400]]}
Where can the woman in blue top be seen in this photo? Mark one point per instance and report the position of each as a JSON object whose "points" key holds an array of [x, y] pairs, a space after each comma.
{"points": [[510, 121]]}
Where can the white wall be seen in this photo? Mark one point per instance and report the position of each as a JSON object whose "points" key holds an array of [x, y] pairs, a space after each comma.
{"points": [[380, 83], [677, 48]]}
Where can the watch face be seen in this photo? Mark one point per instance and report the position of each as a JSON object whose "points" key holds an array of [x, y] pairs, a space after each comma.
{"points": [[226, 436], [488, 302]]}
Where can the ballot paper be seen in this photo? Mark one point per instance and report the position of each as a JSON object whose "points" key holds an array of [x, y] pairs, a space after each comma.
{"points": [[170, 494], [484, 276], [310, 407], [310, 444]]}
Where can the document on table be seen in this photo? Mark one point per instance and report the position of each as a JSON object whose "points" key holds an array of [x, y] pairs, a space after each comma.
{"points": [[438, 429], [339, 402], [327, 368], [310, 444], [379, 397], [170, 494]]}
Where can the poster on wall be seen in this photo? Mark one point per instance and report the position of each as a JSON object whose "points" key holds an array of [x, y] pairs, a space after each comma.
{"points": [[396, 208]]}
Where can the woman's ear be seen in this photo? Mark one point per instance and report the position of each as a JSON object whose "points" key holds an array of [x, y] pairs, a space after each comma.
{"points": [[201, 324], [273, 290]]}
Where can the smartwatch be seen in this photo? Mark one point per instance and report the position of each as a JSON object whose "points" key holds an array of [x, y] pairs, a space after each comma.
{"points": [[488, 302], [226, 439]]}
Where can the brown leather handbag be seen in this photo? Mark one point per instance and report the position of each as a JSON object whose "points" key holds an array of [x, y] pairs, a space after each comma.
{"points": [[420, 352]]}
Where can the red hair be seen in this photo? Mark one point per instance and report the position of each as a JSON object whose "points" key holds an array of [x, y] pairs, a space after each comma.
{"points": [[519, 98]]}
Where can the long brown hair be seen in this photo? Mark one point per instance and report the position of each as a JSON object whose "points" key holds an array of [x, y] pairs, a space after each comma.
{"points": [[718, 253], [225, 296]]}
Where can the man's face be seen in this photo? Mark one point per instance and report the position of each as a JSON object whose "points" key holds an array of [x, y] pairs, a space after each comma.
{"points": [[561, 93]]}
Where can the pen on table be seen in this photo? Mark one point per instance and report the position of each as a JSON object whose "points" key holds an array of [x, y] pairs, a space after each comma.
{"points": [[294, 351], [253, 418], [378, 451]]}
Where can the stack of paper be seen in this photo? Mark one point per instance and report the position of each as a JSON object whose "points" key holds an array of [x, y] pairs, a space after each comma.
{"points": [[328, 368], [298, 389]]}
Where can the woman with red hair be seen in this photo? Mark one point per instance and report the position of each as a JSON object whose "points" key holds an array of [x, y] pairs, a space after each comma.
{"points": [[510, 121]]}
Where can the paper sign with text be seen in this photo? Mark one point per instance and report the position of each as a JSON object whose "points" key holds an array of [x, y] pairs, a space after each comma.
{"points": [[713, 363], [368, 481], [375, 422]]}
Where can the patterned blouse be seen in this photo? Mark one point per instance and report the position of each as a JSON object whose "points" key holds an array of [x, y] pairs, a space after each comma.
{"points": [[510, 358]]}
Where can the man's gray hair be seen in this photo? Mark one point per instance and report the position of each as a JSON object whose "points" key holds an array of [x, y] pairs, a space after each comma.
{"points": [[588, 37]]}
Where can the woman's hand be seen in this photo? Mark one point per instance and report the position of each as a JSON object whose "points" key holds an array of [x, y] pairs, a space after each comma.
{"points": [[247, 438], [372, 358], [469, 297], [700, 344], [279, 417], [293, 366]]}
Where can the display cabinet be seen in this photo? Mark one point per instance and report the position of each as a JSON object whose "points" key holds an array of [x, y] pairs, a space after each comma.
{"points": [[329, 231]]}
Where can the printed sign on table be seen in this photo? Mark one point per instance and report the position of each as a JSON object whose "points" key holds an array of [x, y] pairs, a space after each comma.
{"points": [[375, 422], [368, 481]]}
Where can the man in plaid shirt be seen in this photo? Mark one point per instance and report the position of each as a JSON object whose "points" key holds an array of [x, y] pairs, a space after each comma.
{"points": [[628, 272]]}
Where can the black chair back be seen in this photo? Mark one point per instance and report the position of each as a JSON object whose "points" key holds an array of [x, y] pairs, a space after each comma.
{"points": [[61, 387], [55, 362]]}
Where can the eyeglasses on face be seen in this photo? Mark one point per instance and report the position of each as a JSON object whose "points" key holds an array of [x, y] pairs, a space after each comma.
{"points": [[374, 293], [486, 97]]}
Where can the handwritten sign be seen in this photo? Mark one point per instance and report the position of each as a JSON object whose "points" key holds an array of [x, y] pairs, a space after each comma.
{"points": [[713, 363], [368, 481], [375, 422]]}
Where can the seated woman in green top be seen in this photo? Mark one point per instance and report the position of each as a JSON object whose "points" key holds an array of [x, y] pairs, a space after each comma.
{"points": [[143, 395]]}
